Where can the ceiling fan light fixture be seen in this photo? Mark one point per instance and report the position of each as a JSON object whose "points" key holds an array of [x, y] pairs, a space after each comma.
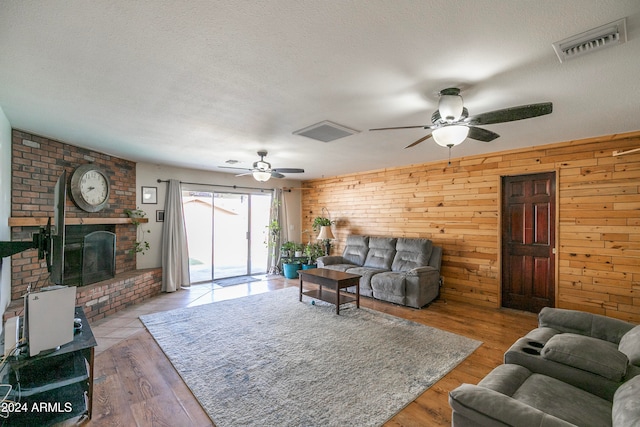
{"points": [[449, 136], [262, 165], [450, 107], [262, 176]]}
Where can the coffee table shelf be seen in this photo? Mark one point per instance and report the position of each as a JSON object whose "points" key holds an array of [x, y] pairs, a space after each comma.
{"points": [[329, 296]]}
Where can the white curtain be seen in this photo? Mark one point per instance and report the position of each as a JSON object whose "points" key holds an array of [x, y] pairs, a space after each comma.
{"points": [[273, 257], [278, 213], [175, 255], [284, 215]]}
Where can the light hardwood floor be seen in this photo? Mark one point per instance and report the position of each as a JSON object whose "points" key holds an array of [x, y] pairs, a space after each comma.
{"points": [[135, 384]]}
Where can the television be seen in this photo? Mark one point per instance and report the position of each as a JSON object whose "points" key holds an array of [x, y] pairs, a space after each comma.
{"points": [[48, 317], [55, 260], [50, 240]]}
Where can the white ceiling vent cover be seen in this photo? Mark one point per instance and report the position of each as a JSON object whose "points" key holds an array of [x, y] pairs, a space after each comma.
{"points": [[602, 37], [325, 131]]}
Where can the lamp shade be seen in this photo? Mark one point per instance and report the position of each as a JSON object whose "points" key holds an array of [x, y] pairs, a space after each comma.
{"points": [[325, 233], [448, 136], [261, 176]]}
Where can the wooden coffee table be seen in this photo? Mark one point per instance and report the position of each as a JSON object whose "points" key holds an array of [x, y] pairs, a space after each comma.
{"points": [[334, 280]]}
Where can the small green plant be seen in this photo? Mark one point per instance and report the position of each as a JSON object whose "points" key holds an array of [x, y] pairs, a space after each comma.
{"points": [[312, 251], [287, 249], [274, 233], [140, 245], [320, 221]]}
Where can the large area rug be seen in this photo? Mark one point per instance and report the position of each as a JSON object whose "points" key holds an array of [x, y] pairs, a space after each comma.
{"points": [[270, 360]]}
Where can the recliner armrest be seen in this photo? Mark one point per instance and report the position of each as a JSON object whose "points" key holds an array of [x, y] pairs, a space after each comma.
{"points": [[488, 407], [331, 259], [422, 270]]}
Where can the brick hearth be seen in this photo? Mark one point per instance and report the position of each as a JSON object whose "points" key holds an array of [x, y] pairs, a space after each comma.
{"points": [[109, 296]]}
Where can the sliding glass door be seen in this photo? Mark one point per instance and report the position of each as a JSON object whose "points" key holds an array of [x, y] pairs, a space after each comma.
{"points": [[226, 233]]}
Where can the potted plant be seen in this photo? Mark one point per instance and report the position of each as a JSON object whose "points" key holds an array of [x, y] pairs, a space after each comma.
{"points": [[299, 250], [273, 238], [274, 233], [287, 249], [140, 245], [318, 223], [290, 267], [312, 251]]}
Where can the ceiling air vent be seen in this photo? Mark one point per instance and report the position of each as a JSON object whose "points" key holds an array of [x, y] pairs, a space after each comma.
{"points": [[325, 131], [602, 37]]}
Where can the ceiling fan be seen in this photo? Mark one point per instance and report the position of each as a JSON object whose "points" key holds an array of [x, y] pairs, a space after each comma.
{"points": [[451, 123], [262, 170]]}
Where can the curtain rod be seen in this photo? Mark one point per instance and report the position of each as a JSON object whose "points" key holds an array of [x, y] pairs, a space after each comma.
{"points": [[221, 185]]}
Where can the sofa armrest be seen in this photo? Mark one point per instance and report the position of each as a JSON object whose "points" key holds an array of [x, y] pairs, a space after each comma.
{"points": [[626, 410], [331, 259], [419, 271], [488, 407], [422, 286]]}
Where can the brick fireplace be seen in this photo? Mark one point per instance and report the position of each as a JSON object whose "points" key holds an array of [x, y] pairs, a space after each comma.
{"points": [[36, 164]]}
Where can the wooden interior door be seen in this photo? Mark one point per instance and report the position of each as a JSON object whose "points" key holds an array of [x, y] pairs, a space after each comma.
{"points": [[528, 241]]}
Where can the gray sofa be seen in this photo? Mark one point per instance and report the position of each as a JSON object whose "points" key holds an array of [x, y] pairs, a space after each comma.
{"points": [[399, 270], [575, 369]]}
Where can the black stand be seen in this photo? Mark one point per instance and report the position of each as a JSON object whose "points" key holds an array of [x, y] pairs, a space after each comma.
{"points": [[52, 387]]}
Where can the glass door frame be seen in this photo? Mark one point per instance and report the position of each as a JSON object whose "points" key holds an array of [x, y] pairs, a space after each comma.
{"points": [[250, 236]]}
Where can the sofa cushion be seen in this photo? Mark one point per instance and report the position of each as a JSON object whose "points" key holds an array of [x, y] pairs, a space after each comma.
{"points": [[381, 252], [586, 353], [564, 401], [626, 405], [411, 253], [389, 282], [630, 345], [356, 248], [367, 273]]}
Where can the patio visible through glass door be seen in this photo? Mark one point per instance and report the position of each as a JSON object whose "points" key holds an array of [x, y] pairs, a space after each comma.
{"points": [[226, 234]]}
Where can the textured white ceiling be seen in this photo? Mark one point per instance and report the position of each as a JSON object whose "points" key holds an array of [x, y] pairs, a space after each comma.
{"points": [[196, 83]]}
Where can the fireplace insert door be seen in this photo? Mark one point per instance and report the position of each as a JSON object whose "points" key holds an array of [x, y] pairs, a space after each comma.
{"points": [[99, 257]]}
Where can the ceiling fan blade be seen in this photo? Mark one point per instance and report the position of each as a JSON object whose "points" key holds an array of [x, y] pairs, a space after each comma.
{"points": [[231, 167], [418, 141], [511, 114], [275, 174], [403, 127], [481, 134], [288, 170], [245, 174]]}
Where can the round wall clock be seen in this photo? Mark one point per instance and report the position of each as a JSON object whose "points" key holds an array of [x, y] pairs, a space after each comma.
{"points": [[90, 188]]}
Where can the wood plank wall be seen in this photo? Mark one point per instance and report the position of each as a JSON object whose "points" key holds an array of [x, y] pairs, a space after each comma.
{"points": [[458, 207]]}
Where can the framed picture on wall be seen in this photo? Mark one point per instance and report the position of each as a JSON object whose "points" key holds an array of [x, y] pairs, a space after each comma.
{"points": [[159, 216], [150, 195]]}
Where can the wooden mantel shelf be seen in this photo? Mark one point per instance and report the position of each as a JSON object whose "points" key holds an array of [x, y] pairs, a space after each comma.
{"points": [[42, 221]]}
